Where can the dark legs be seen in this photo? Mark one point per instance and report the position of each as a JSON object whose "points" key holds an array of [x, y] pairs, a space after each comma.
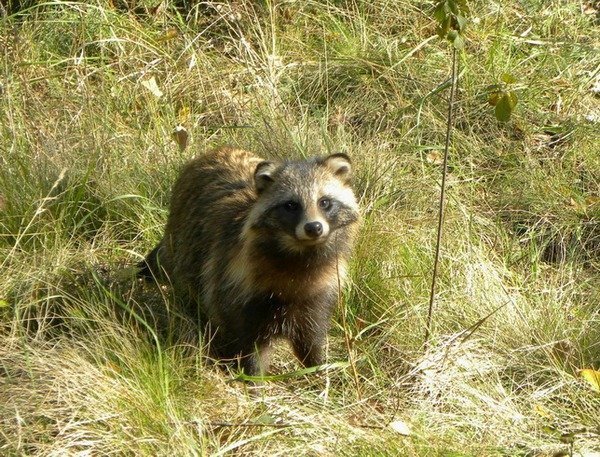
{"points": [[309, 334], [254, 361], [309, 348]]}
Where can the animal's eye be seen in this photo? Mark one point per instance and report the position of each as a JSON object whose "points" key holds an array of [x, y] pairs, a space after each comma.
{"points": [[291, 206], [324, 203]]}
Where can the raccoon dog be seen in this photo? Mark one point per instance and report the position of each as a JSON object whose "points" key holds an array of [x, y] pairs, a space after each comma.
{"points": [[261, 248]]}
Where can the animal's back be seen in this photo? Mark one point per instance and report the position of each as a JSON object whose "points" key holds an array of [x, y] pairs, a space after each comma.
{"points": [[209, 204]]}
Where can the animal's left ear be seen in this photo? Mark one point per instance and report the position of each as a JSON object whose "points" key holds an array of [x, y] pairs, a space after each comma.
{"points": [[340, 166], [263, 175]]}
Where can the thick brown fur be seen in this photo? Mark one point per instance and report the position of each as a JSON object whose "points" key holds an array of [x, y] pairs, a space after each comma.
{"points": [[261, 248]]}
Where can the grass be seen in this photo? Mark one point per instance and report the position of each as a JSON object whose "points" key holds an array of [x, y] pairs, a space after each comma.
{"points": [[93, 362]]}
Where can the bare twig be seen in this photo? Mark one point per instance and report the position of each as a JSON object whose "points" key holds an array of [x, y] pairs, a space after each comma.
{"points": [[442, 195]]}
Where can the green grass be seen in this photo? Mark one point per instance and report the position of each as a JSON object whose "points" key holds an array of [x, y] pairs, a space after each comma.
{"points": [[93, 362]]}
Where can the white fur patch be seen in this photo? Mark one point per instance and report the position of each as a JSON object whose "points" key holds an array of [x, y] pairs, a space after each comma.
{"points": [[341, 193]]}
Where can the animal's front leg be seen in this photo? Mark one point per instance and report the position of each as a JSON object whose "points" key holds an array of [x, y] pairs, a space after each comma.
{"points": [[309, 330], [254, 360], [309, 346]]}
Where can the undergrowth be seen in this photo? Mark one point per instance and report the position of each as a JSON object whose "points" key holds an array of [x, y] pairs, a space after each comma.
{"points": [[93, 362]]}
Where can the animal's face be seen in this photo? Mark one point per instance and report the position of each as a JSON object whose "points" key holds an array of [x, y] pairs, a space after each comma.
{"points": [[302, 204]]}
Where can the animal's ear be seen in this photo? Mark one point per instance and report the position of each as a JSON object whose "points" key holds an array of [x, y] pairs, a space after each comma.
{"points": [[263, 175], [340, 165]]}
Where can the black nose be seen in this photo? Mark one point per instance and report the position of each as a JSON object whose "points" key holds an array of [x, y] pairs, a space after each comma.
{"points": [[313, 229]]}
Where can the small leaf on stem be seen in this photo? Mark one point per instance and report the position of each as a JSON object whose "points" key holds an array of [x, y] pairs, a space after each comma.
{"points": [[508, 78], [592, 377], [461, 22], [458, 42], [444, 27], [504, 108], [440, 12], [493, 98]]}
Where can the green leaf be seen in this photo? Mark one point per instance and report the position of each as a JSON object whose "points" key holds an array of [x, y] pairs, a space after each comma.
{"points": [[3, 304], [592, 377], [494, 97], [461, 22], [444, 27], [503, 108], [453, 7], [513, 99], [440, 13], [291, 374], [508, 78], [458, 41], [265, 419]]}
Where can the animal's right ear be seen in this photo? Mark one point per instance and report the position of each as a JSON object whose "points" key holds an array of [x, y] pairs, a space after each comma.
{"points": [[263, 175], [339, 164]]}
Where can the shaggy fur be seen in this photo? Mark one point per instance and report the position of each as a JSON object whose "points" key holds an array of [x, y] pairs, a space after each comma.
{"points": [[261, 248]]}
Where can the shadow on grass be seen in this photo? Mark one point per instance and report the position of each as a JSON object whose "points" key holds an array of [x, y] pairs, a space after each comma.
{"points": [[98, 298]]}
